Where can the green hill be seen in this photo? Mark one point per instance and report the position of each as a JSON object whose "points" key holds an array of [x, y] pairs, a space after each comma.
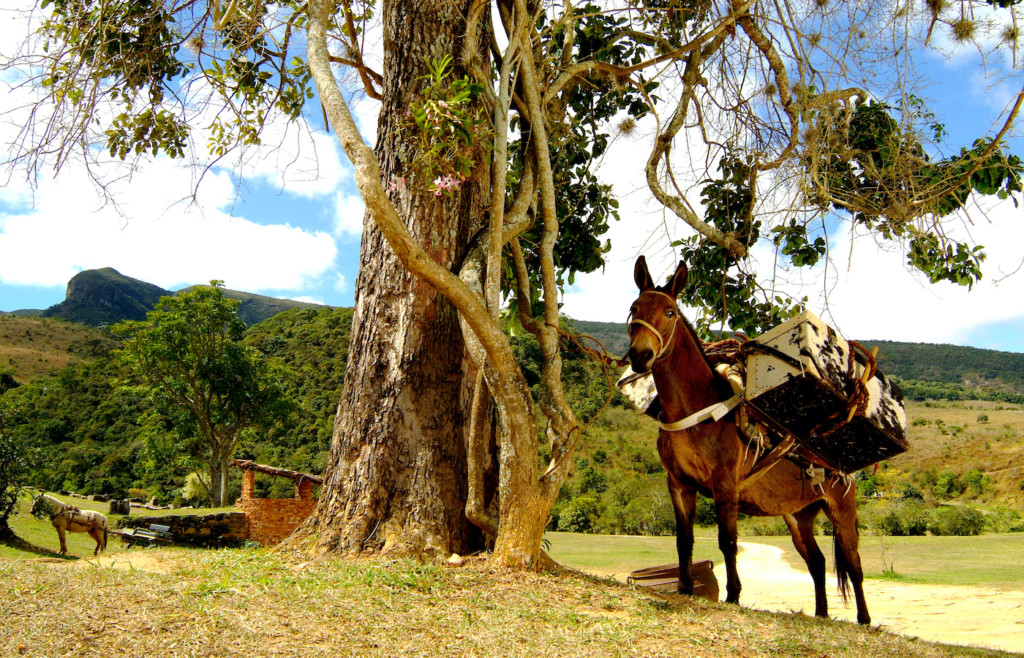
{"points": [[257, 308], [71, 408]]}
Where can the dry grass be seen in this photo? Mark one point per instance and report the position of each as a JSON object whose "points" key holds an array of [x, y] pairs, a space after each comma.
{"points": [[34, 347], [949, 435], [258, 602]]}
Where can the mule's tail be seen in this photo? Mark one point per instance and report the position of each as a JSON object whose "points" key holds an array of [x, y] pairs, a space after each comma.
{"points": [[104, 548], [842, 569]]}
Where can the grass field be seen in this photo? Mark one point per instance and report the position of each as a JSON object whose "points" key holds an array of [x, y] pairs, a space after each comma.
{"points": [[986, 560], [964, 435]]}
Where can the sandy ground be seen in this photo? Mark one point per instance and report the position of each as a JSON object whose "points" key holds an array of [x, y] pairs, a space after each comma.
{"points": [[942, 613]]}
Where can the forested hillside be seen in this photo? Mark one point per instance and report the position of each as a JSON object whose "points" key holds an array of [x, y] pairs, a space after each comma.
{"points": [[92, 436]]}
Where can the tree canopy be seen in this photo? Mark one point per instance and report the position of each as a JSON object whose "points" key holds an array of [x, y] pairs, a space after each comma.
{"points": [[206, 386], [15, 467], [786, 119]]}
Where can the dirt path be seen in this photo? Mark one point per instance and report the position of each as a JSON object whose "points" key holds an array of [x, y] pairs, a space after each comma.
{"points": [[942, 613], [135, 560]]}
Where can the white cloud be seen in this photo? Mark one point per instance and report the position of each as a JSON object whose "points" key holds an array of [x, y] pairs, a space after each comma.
{"points": [[876, 295], [155, 237], [348, 217], [341, 283]]}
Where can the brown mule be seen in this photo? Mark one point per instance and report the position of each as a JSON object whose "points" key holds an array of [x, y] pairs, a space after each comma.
{"points": [[712, 457]]}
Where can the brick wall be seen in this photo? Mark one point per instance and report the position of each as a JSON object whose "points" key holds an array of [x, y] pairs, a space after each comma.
{"points": [[271, 520]]}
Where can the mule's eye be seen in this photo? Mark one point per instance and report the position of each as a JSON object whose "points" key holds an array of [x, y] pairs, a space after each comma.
{"points": [[670, 313]]}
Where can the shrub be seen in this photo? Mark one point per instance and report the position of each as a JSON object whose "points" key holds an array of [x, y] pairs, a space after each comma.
{"points": [[768, 527], [591, 480], [647, 516], [977, 482], [579, 515], [906, 518], [867, 484], [982, 418], [948, 485], [908, 491], [958, 521], [706, 515]]}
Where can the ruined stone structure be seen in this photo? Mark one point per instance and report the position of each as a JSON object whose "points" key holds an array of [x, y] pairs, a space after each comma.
{"points": [[270, 519]]}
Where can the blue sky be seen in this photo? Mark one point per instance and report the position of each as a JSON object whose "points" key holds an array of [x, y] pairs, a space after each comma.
{"points": [[292, 230]]}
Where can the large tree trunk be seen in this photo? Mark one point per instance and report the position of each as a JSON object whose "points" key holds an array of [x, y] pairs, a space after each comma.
{"points": [[396, 477]]}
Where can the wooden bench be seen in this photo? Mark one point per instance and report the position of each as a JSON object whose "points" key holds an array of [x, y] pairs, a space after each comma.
{"points": [[154, 535]]}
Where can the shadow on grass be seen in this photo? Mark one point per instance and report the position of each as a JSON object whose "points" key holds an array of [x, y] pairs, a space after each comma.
{"points": [[8, 538]]}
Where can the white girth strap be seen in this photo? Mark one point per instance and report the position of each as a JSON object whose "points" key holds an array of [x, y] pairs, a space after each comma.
{"points": [[715, 412]]}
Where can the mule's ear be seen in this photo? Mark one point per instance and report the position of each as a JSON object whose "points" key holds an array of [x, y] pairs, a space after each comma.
{"points": [[677, 281], [642, 277]]}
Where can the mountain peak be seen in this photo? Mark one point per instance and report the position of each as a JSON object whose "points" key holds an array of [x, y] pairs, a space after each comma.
{"points": [[105, 296]]}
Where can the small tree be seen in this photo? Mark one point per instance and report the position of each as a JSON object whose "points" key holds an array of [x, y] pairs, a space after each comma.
{"points": [[187, 357], [14, 468]]}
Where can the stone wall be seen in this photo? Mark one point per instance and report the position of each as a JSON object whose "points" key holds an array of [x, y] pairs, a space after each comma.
{"points": [[223, 529]]}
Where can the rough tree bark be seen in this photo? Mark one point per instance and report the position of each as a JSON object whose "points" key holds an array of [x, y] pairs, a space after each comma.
{"points": [[395, 480]]}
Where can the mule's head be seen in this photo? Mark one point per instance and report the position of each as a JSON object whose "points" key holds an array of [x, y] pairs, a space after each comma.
{"points": [[39, 506], [653, 316]]}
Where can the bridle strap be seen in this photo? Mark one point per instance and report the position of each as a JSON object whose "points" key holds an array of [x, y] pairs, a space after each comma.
{"points": [[674, 301], [662, 341]]}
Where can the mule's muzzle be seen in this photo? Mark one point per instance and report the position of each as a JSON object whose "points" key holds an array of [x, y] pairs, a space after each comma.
{"points": [[640, 359]]}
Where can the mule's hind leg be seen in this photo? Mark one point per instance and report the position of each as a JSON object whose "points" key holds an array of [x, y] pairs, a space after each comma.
{"points": [[97, 536], [801, 528], [842, 512], [684, 500]]}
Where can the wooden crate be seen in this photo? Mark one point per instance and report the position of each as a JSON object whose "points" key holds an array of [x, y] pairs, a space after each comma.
{"points": [[665, 578], [802, 382]]}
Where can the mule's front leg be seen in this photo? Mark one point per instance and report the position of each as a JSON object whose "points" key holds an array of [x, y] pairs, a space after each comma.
{"points": [[726, 506], [63, 543], [684, 500]]}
